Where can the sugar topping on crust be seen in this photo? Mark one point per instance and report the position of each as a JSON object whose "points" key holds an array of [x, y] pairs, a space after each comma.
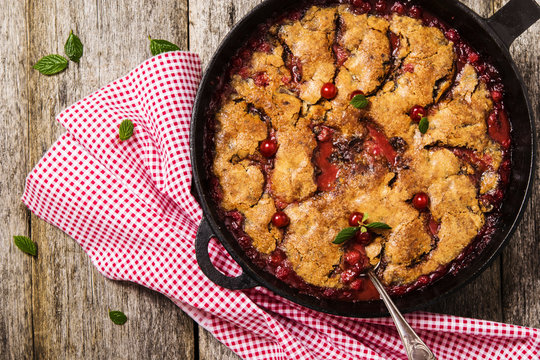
{"points": [[398, 63]]}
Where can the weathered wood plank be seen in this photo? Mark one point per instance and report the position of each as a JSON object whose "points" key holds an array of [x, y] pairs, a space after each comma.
{"points": [[71, 298], [209, 22], [521, 259], [15, 266]]}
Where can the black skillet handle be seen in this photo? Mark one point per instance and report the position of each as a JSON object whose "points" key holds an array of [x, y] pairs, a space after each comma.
{"points": [[514, 18], [204, 234]]}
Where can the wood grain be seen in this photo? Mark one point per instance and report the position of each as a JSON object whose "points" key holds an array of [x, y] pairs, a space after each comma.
{"points": [[15, 267], [55, 306], [209, 22], [521, 259], [70, 298]]}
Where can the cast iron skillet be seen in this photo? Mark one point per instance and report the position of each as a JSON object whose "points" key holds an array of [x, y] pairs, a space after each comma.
{"points": [[492, 37]]}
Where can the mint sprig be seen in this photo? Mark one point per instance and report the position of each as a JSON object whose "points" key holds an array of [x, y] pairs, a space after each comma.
{"points": [[160, 46], [125, 130], [349, 232], [73, 47], [377, 225], [51, 64], [25, 245], [359, 101], [117, 317], [345, 234], [423, 126]]}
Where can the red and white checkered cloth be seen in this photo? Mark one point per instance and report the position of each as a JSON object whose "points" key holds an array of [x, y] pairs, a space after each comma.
{"points": [[128, 204]]}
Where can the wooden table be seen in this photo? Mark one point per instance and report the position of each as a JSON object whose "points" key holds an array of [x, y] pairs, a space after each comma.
{"points": [[55, 306]]}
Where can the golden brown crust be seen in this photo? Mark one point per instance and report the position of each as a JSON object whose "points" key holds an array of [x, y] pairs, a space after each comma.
{"points": [[421, 72], [365, 38], [426, 66], [238, 133], [310, 40], [293, 177], [242, 185], [460, 121], [259, 227], [308, 242]]}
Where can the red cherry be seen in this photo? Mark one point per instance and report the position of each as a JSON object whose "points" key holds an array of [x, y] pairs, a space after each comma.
{"points": [[280, 219], [268, 147], [357, 284], [422, 281], [398, 8], [417, 113], [361, 265], [415, 12], [357, 3], [354, 93], [352, 257], [473, 57], [276, 258], [496, 96], [355, 219], [380, 6], [363, 238], [366, 7], [348, 275], [329, 91], [282, 272], [420, 201], [452, 35]]}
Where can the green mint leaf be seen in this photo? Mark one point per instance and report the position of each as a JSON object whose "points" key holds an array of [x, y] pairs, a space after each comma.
{"points": [[118, 317], [73, 47], [365, 217], [345, 235], [51, 64], [377, 225], [25, 245], [160, 46], [125, 130], [359, 101], [423, 126]]}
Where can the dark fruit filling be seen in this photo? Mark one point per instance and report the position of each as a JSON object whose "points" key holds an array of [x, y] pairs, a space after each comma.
{"points": [[377, 149]]}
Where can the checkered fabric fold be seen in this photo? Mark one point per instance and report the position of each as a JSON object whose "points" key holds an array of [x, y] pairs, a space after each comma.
{"points": [[128, 204]]}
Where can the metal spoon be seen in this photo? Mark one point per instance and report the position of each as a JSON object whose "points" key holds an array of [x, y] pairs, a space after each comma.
{"points": [[414, 346]]}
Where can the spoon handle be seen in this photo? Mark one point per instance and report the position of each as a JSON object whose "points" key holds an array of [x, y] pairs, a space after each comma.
{"points": [[414, 346]]}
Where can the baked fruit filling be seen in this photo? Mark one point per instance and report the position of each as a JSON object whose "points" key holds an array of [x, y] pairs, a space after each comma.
{"points": [[352, 115]]}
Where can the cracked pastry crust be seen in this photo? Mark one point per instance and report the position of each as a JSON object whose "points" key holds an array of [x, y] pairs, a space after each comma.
{"points": [[277, 95]]}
